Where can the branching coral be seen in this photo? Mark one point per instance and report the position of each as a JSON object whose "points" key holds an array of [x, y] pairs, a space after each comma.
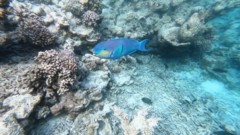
{"points": [[90, 88], [32, 30], [90, 18], [55, 72]]}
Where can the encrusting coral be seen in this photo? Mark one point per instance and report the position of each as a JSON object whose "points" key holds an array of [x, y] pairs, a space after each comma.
{"points": [[55, 72]]}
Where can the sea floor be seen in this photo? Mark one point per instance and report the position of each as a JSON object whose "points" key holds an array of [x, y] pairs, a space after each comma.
{"points": [[181, 96]]}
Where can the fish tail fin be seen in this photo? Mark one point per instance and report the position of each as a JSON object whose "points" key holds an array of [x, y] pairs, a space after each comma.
{"points": [[142, 44]]}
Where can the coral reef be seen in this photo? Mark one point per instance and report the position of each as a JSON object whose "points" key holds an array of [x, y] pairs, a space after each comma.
{"points": [[44, 89], [3, 39], [90, 18], [3, 34], [85, 123], [32, 30], [75, 102], [9, 125], [90, 89], [91, 62], [104, 118], [193, 26], [21, 105], [16, 101], [125, 96], [78, 7], [138, 125], [62, 20], [169, 34], [14, 80], [2, 10], [74, 6], [3, 6], [177, 22], [55, 72]]}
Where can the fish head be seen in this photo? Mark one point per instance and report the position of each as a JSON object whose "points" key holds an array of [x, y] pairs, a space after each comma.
{"points": [[101, 50]]}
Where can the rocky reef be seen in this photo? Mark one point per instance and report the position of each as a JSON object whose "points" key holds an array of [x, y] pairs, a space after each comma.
{"points": [[55, 72], [174, 23], [50, 83]]}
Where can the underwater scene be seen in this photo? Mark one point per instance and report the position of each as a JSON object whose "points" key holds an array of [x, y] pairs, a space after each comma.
{"points": [[119, 67]]}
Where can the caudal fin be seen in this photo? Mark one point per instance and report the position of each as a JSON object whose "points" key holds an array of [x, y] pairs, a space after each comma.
{"points": [[141, 45]]}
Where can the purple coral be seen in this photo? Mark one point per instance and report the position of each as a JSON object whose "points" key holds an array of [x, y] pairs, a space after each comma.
{"points": [[90, 18]]}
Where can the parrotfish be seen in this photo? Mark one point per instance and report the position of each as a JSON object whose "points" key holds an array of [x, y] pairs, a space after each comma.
{"points": [[116, 48]]}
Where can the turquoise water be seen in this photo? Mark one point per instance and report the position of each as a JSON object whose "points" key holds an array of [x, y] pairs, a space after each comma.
{"points": [[52, 83]]}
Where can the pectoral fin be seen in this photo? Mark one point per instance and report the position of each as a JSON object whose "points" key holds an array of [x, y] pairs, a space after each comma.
{"points": [[117, 52]]}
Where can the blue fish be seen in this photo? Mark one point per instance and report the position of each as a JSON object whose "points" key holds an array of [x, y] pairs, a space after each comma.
{"points": [[116, 48]]}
